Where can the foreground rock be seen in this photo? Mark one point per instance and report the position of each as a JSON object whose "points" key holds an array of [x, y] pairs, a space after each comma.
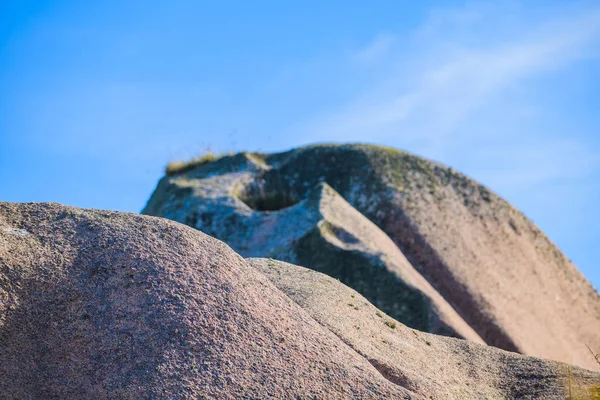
{"points": [[106, 305], [434, 366], [97, 305], [460, 260]]}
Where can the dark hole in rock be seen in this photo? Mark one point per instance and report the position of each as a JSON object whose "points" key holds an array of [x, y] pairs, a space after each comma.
{"points": [[266, 196]]}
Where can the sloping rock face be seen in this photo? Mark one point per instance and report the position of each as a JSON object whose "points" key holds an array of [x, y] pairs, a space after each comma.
{"points": [[106, 305], [460, 260], [434, 366]]}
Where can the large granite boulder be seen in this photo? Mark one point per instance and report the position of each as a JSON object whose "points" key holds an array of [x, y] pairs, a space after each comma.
{"points": [[107, 305], [429, 246]]}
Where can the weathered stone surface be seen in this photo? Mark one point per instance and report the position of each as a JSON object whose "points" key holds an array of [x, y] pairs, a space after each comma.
{"points": [[106, 305], [434, 366], [491, 265], [327, 233]]}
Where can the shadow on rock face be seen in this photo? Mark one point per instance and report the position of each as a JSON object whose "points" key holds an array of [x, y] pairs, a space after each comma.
{"points": [[267, 194]]}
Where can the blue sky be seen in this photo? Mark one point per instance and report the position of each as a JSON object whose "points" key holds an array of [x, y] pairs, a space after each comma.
{"points": [[96, 97]]}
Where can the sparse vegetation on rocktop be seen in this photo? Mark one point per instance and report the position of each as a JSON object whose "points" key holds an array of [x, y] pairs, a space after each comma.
{"points": [[595, 389], [596, 356], [177, 167], [577, 393]]}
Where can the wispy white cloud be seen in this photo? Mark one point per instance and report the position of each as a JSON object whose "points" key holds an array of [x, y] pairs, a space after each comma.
{"points": [[379, 46], [428, 108]]}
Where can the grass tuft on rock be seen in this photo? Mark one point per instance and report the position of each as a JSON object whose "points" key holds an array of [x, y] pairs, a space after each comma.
{"points": [[178, 167]]}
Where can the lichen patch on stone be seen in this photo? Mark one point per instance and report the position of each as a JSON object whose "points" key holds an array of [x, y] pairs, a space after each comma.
{"points": [[15, 231]]}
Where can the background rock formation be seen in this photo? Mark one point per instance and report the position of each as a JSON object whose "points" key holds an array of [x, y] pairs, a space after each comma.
{"points": [[462, 261]]}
